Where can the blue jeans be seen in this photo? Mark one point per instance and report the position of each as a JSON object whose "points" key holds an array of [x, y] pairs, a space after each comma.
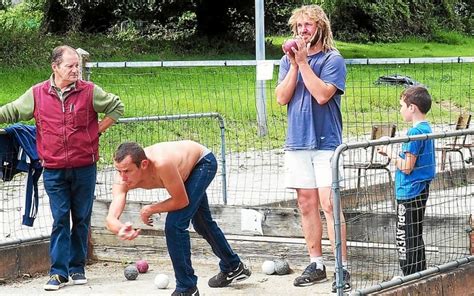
{"points": [[197, 211], [71, 194]]}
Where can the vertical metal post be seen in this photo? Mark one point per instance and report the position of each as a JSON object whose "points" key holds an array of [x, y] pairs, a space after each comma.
{"points": [[260, 56], [224, 170], [83, 59], [337, 217]]}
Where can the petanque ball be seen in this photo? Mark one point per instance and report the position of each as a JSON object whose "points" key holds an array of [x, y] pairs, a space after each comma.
{"points": [[268, 267], [288, 45], [130, 272], [282, 267], [142, 266], [162, 281]]}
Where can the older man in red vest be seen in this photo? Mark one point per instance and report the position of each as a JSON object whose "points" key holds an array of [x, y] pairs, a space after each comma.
{"points": [[66, 109]]}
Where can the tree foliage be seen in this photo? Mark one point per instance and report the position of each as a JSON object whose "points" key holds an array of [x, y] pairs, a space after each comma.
{"points": [[230, 20], [391, 20], [212, 19]]}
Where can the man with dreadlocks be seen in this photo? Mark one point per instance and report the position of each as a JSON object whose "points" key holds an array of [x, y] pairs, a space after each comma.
{"points": [[310, 82]]}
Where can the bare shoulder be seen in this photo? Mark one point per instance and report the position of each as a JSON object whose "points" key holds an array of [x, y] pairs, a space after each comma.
{"points": [[164, 150], [180, 156]]}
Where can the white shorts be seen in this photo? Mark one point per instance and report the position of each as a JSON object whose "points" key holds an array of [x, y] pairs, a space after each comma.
{"points": [[308, 169]]}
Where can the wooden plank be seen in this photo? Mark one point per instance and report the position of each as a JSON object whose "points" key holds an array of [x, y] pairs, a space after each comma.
{"points": [[283, 222]]}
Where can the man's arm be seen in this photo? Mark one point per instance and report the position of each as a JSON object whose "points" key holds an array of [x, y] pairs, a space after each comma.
{"points": [[20, 109], [123, 230], [110, 105], [173, 183], [105, 123], [286, 88], [321, 91]]}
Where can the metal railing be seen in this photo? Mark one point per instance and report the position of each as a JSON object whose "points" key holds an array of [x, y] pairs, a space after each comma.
{"points": [[336, 187]]}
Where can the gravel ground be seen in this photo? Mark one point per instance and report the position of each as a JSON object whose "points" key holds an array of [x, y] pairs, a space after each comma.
{"points": [[106, 278]]}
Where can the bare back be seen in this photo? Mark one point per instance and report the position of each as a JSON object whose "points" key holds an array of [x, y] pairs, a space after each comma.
{"points": [[182, 154]]}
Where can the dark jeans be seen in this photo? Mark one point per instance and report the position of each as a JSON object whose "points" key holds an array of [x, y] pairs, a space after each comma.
{"points": [[410, 244], [197, 211], [71, 194]]}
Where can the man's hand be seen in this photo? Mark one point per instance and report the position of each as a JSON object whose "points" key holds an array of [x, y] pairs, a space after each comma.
{"points": [[127, 232], [145, 215], [301, 52]]}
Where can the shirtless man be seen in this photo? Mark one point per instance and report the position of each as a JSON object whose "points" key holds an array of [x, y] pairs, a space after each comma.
{"points": [[185, 169]]}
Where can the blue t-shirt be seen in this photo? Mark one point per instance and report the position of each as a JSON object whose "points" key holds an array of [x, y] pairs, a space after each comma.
{"points": [[411, 185], [310, 125]]}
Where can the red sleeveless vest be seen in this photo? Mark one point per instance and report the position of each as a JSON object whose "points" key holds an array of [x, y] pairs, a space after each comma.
{"points": [[67, 134]]}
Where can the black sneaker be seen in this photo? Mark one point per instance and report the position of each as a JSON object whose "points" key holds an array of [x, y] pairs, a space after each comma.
{"points": [[55, 282], [346, 277], [223, 279], [192, 292], [78, 278], [311, 275]]}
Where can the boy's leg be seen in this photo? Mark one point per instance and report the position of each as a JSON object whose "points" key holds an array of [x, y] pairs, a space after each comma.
{"points": [[420, 256], [409, 236], [177, 223], [404, 235]]}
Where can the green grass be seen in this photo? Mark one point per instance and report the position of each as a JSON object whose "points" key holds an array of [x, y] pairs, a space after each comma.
{"points": [[406, 50], [410, 48]]}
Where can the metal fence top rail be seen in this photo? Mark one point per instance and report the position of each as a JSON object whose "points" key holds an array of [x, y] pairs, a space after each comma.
{"points": [[387, 141], [221, 63], [173, 117], [170, 117], [395, 140]]}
